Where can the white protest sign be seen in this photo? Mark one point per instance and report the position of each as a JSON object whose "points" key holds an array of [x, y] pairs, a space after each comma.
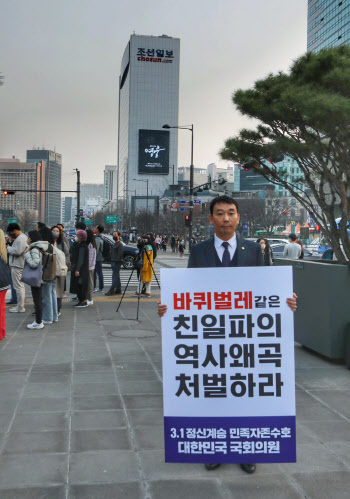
{"points": [[228, 365]]}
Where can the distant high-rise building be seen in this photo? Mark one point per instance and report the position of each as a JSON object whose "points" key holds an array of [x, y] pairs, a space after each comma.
{"points": [[20, 177], [328, 24], [249, 181], [53, 178], [110, 183], [148, 99], [200, 175], [74, 209], [90, 191], [67, 209]]}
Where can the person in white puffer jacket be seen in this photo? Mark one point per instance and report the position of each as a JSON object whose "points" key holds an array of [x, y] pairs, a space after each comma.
{"points": [[33, 258]]}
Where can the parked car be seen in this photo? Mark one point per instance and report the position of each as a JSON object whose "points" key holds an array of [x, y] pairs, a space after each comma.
{"points": [[278, 249], [277, 241]]}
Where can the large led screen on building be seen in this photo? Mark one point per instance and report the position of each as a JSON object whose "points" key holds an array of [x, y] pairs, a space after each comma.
{"points": [[154, 152]]}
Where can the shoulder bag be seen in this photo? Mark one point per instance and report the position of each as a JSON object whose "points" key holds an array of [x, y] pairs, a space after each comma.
{"points": [[31, 276], [5, 274]]}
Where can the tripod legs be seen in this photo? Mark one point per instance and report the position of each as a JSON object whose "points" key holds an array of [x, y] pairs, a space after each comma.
{"points": [[139, 285], [126, 287]]}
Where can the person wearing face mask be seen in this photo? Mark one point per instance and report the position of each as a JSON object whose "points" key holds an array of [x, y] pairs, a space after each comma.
{"points": [[15, 252], [266, 251], [116, 261], [59, 243], [64, 237]]}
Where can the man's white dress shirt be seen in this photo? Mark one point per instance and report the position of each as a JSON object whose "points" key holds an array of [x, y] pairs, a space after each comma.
{"points": [[232, 246]]}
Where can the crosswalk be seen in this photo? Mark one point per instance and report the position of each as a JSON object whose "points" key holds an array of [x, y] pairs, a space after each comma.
{"points": [[124, 277]]}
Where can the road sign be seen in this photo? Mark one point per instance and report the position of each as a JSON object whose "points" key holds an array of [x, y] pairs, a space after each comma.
{"points": [[12, 220], [173, 206], [111, 219], [181, 201], [197, 201], [183, 209], [88, 222]]}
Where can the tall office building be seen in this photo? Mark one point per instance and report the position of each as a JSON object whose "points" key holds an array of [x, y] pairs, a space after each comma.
{"points": [[53, 177], [21, 177], [249, 181], [90, 191], [148, 99], [110, 183], [67, 209], [328, 24]]}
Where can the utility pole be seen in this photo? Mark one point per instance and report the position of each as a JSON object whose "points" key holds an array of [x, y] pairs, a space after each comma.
{"points": [[190, 229], [78, 193]]}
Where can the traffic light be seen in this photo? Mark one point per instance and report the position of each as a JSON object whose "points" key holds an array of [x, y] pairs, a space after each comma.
{"points": [[317, 228], [187, 220], [8, 193], [276, 158], [250, 165]]}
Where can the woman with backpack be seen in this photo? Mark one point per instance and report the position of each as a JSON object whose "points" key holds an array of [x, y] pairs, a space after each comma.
{"points": [[146, 249], [33, 258], [49, 296], [60, 280]]}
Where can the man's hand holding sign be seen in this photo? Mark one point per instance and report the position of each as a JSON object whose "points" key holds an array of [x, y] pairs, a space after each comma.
{"points": [[228, 357]]}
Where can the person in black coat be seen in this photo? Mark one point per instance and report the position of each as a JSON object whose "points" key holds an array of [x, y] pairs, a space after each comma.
{"points": [[74, 252], [117, 252], [266, 251], [80, 270]]}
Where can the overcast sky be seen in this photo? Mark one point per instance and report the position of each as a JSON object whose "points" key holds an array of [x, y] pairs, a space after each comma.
{"points": [[61, 62]]}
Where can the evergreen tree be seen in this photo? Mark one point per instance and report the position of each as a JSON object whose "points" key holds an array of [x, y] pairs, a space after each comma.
{"points": [[304, 114]]}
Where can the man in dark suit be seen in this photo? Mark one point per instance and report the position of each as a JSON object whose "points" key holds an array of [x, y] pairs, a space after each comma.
{"points": [[226, 249]]}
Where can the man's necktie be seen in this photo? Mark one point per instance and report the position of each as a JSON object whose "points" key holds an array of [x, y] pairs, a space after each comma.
{"points": [[226, 259]]}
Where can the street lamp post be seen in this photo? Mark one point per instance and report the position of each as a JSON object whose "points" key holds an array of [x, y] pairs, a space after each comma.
{"points": [[190, 228], [144, 180]]}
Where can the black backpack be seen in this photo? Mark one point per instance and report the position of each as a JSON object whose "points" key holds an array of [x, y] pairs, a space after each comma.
{"points": [[105, 248]]}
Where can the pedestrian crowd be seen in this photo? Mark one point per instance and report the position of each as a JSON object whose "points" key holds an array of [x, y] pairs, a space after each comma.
{"points": [[42, 259]]}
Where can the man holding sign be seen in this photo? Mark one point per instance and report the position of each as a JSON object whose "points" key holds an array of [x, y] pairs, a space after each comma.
{"points": [[225, 249]]}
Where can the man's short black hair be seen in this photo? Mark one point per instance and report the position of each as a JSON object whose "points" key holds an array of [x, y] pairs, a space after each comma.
{"points": [[293, 237], [61, 225], [12, 227], [41, 225], [80, 226], [222, 199], [100, 228]]}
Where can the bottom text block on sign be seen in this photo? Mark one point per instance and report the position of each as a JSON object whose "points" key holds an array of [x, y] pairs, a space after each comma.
{"points": [[228, 365]]}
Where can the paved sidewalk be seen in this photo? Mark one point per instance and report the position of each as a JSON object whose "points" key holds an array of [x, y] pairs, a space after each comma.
{"points": [[81, 417]]}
